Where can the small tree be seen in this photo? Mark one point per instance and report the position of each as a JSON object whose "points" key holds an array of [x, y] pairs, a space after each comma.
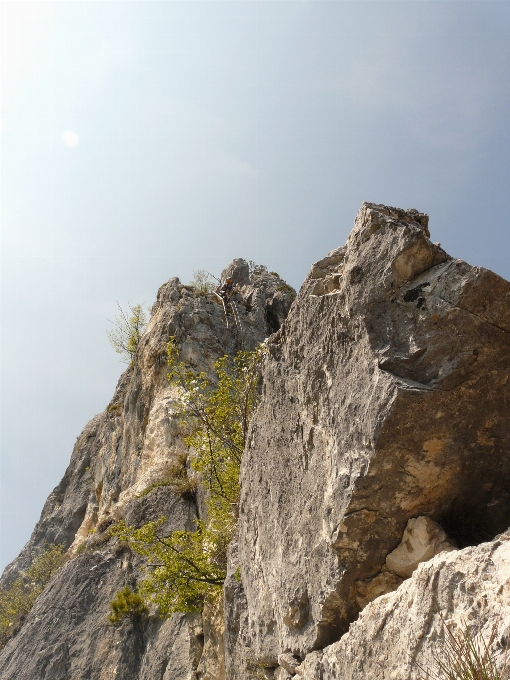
{"points": [[18, 599], [202, 281], [186, 566], [126, 603], [127, 332]]}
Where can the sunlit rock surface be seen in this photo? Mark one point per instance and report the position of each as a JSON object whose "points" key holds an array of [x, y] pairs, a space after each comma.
{"points": [[402, 631], [373, 485], [385, 398], [120, 455]]}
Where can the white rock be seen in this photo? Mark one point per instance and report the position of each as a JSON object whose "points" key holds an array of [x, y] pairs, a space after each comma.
{"points": [[423, 538]]}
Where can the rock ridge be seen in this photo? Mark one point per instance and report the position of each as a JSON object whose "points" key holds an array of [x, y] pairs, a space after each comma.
{"points": [[120, 455], [375, 491]]}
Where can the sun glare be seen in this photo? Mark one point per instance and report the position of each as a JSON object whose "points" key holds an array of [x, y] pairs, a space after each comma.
{"points": [[70, 138]]}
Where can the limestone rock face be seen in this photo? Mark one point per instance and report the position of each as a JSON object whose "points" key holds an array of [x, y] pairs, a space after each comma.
{"points": [[67, 635], [401, 631], [385, 399], [374, 481], [121, 454]]}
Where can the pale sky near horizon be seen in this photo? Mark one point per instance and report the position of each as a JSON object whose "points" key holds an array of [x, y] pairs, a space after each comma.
{"points": [[145, 139]]}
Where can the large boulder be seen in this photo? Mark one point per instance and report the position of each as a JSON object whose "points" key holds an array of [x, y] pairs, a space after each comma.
{"points": [[385, 399]]}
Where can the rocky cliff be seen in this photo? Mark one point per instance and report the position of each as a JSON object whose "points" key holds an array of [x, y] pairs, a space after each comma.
{"points": [[375, 491], [121, 454]]}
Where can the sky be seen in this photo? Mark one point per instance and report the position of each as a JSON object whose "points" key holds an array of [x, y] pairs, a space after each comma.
{"points": [[142, 140]]}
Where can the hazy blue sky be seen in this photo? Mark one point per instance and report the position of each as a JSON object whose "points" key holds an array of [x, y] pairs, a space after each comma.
{"points": [[142, 140]]}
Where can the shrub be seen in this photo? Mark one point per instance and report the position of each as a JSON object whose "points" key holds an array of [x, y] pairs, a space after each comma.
{"points": [[17, 600], [126, 603], [128, 329], [202, 281], [288, 290], [187, 566], [184, 567], [256, 269]]}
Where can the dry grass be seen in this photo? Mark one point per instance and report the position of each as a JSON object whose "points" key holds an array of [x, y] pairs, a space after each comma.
{"points": [[465, 656]]}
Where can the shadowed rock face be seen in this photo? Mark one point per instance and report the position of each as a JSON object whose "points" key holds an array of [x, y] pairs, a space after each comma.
{"points": [[385, 398], [119, 455], [67, 637]]}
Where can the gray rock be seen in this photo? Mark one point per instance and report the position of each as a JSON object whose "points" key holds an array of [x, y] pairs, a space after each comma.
{"points": [[161, 502], [121, 454], [385, 396], [289, 662], [382, 441], [239, 271], [212, 661]]}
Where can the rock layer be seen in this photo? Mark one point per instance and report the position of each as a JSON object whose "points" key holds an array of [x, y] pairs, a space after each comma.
{"points": [[385, 398]]}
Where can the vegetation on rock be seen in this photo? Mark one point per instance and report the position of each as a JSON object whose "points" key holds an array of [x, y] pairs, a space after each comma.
{"points": [[18, 599], [186, 566], [202, 281], [176, 477], [464, 656], [288, 290], [256, 269], [128, 329], [126, 603]]}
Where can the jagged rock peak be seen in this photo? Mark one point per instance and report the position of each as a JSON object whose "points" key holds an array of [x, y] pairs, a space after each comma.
{"points": [[239, 271], [382, 440], [116, 465], [385, 401]]}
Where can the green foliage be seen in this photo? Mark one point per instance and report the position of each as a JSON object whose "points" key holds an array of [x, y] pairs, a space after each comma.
{"points": [[217, 417], [182, 568], [126, 603], [256, 269], [176, 477], [187, 566], [289, 290], [257, 670], [464, 656], [128, 329], [202, 281], [18, 599]]}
